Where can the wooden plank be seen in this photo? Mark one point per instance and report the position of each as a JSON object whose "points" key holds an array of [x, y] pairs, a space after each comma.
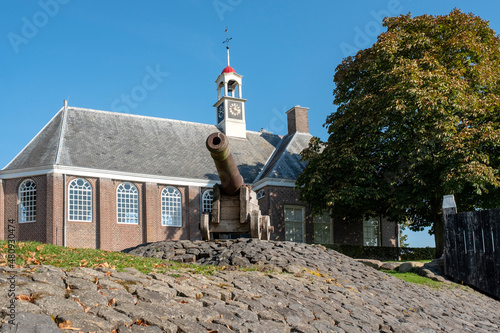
{"points": [[473, 249], [244, 200], [229, 213], [495, 251], [215, 216], [450, 244], [229, 204], [230, 226]]}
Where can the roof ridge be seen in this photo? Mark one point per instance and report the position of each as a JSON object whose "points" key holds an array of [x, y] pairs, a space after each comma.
{"points": [[138, 116], [33, 139], [269, 159], [158, 118], [61, 135], [273, 155]]}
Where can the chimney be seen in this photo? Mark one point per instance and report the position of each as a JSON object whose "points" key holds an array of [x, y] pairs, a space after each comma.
{"points": [[298, 120]]}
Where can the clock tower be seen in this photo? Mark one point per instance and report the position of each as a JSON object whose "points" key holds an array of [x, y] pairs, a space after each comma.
{"points": [[230, 106]]}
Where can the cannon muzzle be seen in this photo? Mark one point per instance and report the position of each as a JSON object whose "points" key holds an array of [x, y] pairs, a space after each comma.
{"points": [[231, 180]]}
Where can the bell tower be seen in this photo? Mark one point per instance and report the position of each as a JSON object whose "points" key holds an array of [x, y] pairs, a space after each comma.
{"points": [[230, 105]]}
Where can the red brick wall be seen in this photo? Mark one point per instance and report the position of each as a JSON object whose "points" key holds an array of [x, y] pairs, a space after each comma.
{"points": [[278, 197], [193, 201], [10, 202], [82, 234], [152, 207], [343, 232], [114, 236], [154, 230], [176, 233], [104, 232], [388, 233], [55, 209], [32, 230]]}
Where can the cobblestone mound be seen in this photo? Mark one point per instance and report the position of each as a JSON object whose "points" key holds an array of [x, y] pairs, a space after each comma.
{"points": [[320, 290], [243, 252]]}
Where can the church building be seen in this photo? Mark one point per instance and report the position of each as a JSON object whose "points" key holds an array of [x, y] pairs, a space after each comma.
{"points": [[108, 180]]}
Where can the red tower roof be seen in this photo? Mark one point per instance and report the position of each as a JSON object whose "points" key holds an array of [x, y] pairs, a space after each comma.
{"points": [[228, 69]]}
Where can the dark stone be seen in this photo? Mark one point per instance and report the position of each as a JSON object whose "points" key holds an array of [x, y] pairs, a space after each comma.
{"points": [[30, 322], [86, 322], [79, 283], [56, 306]]}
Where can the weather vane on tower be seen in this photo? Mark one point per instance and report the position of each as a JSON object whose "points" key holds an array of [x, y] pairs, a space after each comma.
{"points": [[227, 45]]}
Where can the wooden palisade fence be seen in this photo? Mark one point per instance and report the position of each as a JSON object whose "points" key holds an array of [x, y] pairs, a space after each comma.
{"points": [[472, 247]]}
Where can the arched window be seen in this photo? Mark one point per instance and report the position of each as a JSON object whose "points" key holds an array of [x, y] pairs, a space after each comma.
{"points": [[80, 200], [127, 203], [171, 207], [208, 197], [371, 231], [27, 201]]}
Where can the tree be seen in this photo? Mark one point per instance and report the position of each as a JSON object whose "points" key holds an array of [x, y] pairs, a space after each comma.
{"points": [[418, 117]]}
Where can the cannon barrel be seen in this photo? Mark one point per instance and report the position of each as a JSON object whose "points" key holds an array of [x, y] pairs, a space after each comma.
{"points": [[231, 180]]}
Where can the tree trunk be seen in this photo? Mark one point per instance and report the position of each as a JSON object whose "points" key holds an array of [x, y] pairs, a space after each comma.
{"points": [[439, 235]]}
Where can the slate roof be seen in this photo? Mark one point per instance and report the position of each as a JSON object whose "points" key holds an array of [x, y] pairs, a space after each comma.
{"points": [[129, 143], [285, 163]]}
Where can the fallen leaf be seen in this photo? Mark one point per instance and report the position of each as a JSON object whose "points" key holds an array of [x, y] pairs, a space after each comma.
{"points": [[68, 325], [140, 322], [25, 298]]}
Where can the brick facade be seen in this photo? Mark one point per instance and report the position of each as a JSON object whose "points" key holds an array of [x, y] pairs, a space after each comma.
{"points": [[273, 204], [388, 233], [276, 198], [106, 233]]}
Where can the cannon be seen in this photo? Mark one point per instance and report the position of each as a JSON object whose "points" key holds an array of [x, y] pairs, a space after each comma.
{"points": [[235, 209]]}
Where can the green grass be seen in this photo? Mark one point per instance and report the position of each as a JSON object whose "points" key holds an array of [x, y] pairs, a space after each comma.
{"points": [[35, 253], [422, 280], [414, 278]]}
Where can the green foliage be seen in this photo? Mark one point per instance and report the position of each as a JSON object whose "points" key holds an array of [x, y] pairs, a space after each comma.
{"points": [[385, 252], [418, 117]]}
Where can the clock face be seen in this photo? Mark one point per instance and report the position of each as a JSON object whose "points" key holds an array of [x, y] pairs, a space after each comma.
{"points": [[235, 110], [220, 113]]}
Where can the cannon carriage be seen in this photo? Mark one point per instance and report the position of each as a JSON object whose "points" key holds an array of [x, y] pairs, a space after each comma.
{"points": [[235, 209]]}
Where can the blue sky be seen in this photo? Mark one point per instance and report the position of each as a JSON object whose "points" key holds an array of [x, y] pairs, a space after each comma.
{"points": [[161, 58]]}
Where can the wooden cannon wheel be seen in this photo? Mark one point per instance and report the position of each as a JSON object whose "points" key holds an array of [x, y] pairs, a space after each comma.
{"points": [[266, 227], [204, 227], [255, 224]]}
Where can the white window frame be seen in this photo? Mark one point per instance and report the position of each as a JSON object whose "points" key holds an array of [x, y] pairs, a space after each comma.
{"points": [[207, 201], [80, 202], [127, 203], [171, 207], [27, 201], [295, 223], [261, 194], [371, 231], [320, 221]]}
